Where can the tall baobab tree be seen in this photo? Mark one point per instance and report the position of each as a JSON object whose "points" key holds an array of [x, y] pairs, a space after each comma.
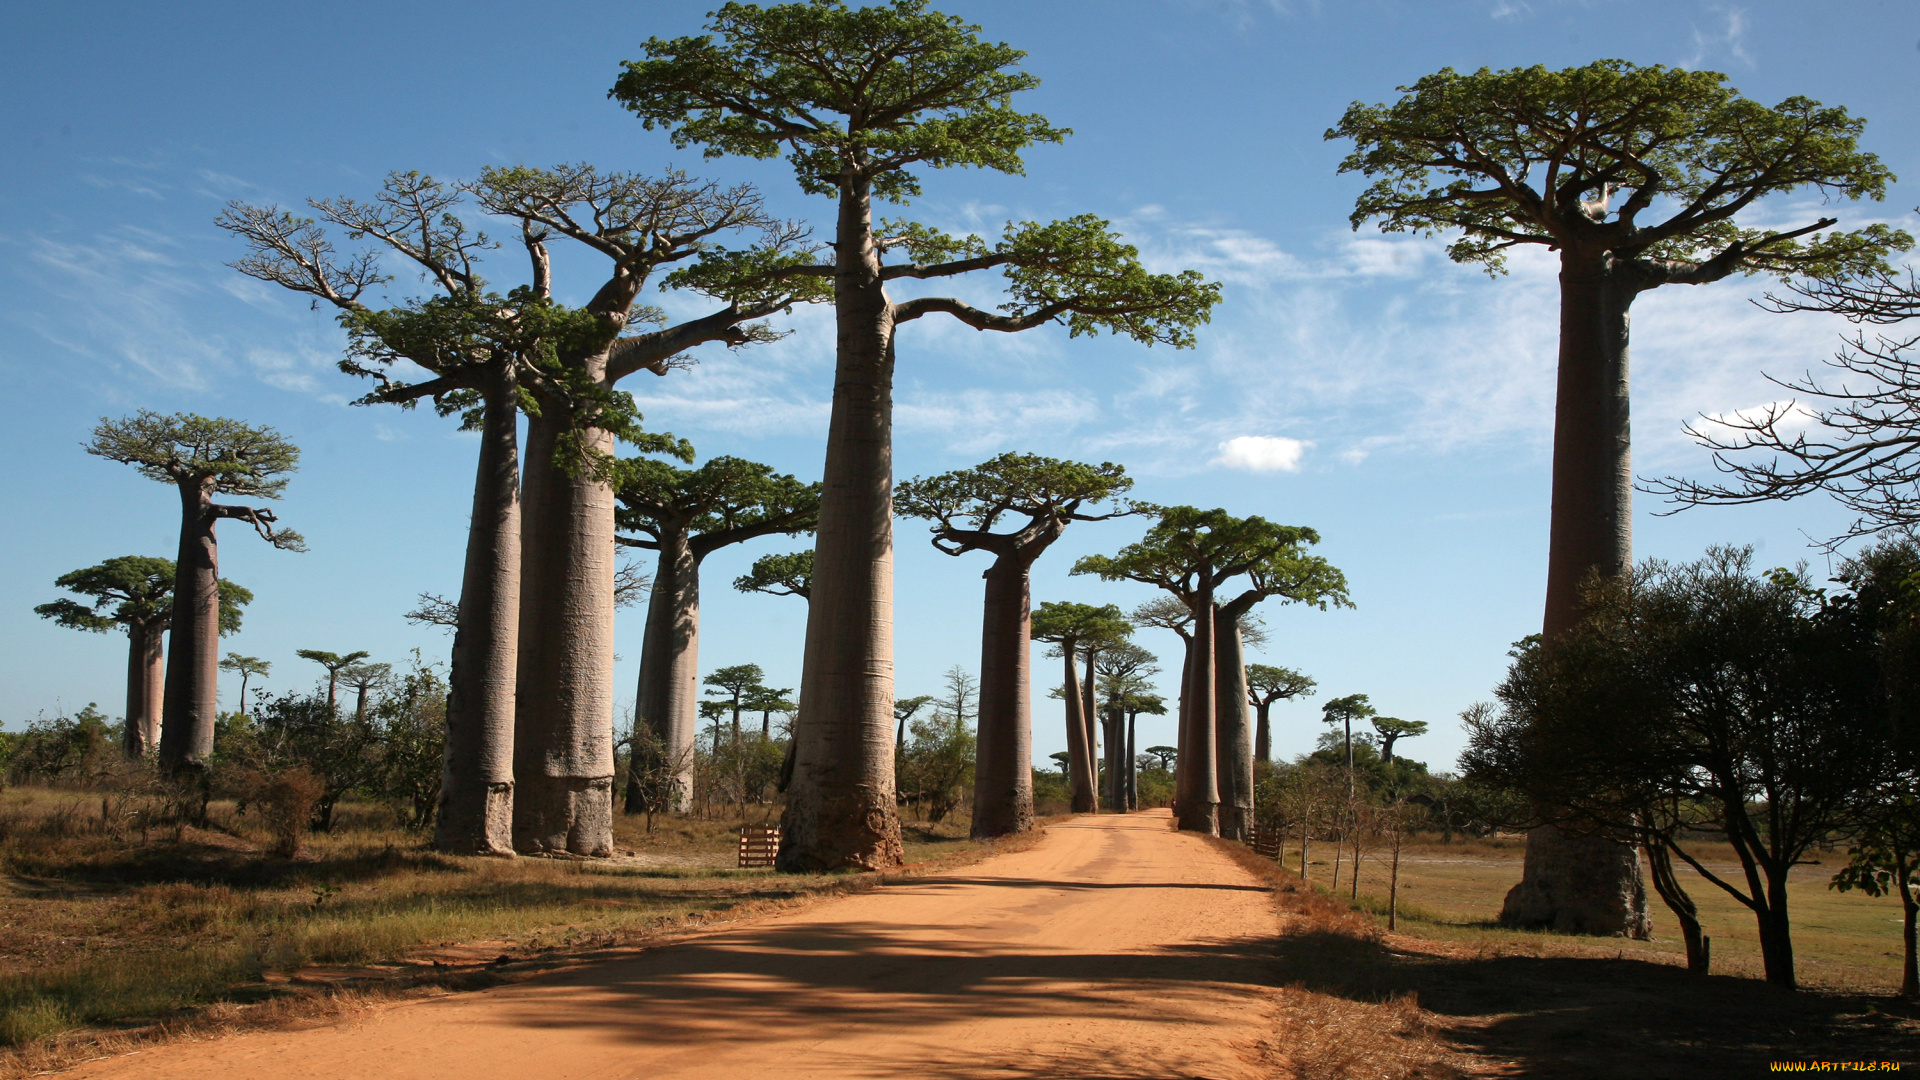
{"points": [[336, 664], [1191, 553], [1069, 627], [202, 458], [489, 355], [861, 99], [1575, 161], [246, 667], [1392, 729], [365, 679], [1344, 711], [139, 589], [1267, 684], [1036, 497], [1124, 670], [686, 515]]}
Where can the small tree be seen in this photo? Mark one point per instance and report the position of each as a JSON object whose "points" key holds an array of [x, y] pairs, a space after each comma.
{"points": [[1392, 729], [1267, 684], [1344, 711], [413, 740], [335, 663], [202, 458], [735, 686], [246, 667], [1037, 497], [780, 575]]}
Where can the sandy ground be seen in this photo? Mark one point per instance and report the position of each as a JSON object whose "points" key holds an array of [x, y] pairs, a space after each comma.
{"points": [[1112, 948]]}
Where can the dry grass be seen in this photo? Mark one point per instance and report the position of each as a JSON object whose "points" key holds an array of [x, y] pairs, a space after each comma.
{"points": [[1453, 995], [106, 933]]}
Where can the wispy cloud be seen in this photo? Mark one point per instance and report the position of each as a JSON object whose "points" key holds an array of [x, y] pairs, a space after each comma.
{"points": [[1262, 453], [1727, 35]]}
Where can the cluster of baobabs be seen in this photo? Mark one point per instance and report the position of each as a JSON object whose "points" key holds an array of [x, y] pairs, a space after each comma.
{"points": [[1633, 177]]}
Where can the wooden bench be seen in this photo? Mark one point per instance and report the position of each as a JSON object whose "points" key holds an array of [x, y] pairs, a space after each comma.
{"points": [[759, 844]]}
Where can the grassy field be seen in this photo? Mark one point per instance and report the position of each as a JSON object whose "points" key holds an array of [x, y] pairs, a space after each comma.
{"points": [[103, 927], [1841, 941]]}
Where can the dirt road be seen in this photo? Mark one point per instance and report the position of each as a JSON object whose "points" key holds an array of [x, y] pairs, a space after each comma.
{"points": [[1112, 948]]}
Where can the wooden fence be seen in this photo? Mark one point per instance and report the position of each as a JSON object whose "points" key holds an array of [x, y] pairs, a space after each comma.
{"points": [[759, 844], [1265, 842]]}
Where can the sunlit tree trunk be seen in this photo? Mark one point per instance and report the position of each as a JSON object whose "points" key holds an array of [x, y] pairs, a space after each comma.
{"points": [[1003, 773], [1233, 742], [193, 660], [475, 813], [840, 805], [1571, 883], [1079, 753], [669, 693], [146, 685], [1198, 785]]}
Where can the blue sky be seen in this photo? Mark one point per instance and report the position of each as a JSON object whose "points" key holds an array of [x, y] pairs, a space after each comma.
{"points": [[1356, 383]]}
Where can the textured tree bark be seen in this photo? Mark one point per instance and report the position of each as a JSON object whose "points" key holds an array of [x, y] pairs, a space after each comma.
{"points": [[1263, 732], [1660, 862], [1181, 719], [475, 813], [1233, 743], [1003, 773], [1196, 779], [840, 806], [1133, 765], [193, 661], [1079, 754], [563, 722], [1090, 720], [1571, 883], [669, 693], [146, 686]]}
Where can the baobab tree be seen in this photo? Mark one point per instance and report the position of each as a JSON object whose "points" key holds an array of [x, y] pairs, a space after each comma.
{"points": [[365, 679], [335, 663], [549, 537], [686, 515], [790, 574], [1392, 729], [202, 458], [903, 710], [1191, 553], [1574, 161], [1344, 711], [1125, 671], [1035, 498], [861, 99], [1069, 626], [246, 667], [1267, 684], [139, 591]]}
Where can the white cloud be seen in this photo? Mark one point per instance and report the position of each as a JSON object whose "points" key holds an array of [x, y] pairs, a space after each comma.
{"points": [[1262, 453]]}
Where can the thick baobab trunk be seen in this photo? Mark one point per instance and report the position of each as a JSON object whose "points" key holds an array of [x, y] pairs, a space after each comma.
{"points": [[1180, 717], [1079, 753], [669, 694], [1133, 765], [475, 812], [563, 719], [193, 660], [1116, 735], [1090, 719], [1233, 729], [840, 806], [146, 686], [1571, 883], [1003, 770], [1196, 779]]}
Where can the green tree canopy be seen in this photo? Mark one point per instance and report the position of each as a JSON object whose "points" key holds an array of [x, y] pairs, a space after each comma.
{"points": [[139, 588], [789, 574], [725, 501], [228, 457]]}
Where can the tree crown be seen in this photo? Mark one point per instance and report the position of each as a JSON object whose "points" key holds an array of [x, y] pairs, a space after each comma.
{"points": [[1342, 710], [1532, 156], [965, 505], [789, 574], [1071, 624], [1188, 549], [239, 458], [1267, 683], [140, 588], [726, 500]]}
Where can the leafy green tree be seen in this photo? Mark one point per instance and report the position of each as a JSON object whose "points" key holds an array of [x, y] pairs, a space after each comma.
{"points": [[365, 678], [1267, 684], [68, 749], [1392, 729], [1344, 711], [736, 685], [1070, 627], [247, 667], [335, 663], [942, 752], [139, 590], [686, 515], [903, 710], [412, 722], [1126, 673], [767, 700], [861, 99], [1636, 177], [1191, 553], [304, 731], [780, 575], [202, 458], [1034, 498]]}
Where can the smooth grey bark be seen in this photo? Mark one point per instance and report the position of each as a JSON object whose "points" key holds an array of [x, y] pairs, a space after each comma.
{"points": [[669, 694], [193, 661], [1003, 769], [1079, 754], [1574, 883], [563, 720], [1233, 730], [1262, 729], [475, 812], [146, 686], [1195, 778], [840, 805], [1090, 720], [1133, 765]]}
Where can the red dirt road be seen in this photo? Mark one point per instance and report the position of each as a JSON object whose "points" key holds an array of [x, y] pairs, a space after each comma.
{"points": [[1112, 948]]}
